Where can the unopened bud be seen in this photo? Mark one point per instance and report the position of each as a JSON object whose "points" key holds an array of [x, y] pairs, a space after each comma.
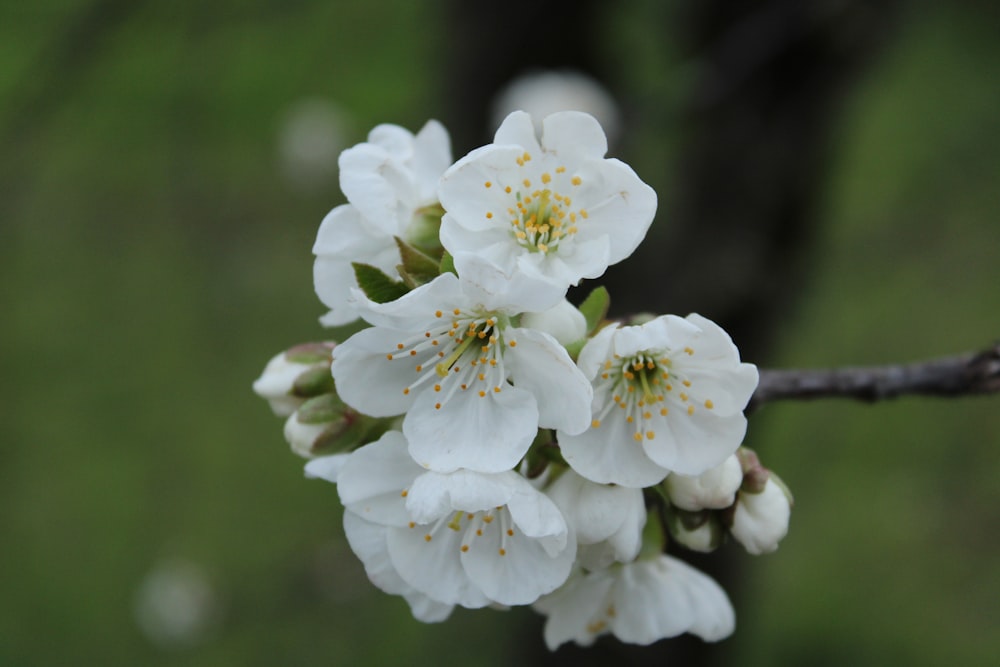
{"points": [[562, 321], [699, 531], [760, 520], [295, 375], [324, 424], [714, 489]]}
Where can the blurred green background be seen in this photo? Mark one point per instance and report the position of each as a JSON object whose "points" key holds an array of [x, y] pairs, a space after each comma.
{"points": [[155, 237]]}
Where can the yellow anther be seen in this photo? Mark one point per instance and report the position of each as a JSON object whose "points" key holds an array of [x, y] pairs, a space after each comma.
{"points": [[709, 404], [560, 170], [406, 391], [647, 415], [576, 180], [543, 247], [637, 437], [482, 394], [488, 184], [686, 383], [413, 525], [690, 409], [437, 387], [399, 346], [502, 552], [482, 376], [487, 519], [583, 213], [510, 532], [457, 311], [546, 178], [389, 357], [596, 423], [489, 215], [664, 411], [404, 493], [650, 435], [629, 419], [527, 183], [464, 387], [465, 547], [496, 390], [513, 343], [527, 156], [683, 396], [689, 350], [427, 537], [507, 189], [413, 353]]}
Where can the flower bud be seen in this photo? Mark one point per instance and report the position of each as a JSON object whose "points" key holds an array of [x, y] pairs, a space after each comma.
{"points": [[713, 489], [698, 531], [760, 520], [324, 424], [562, 321], [294, 375]]}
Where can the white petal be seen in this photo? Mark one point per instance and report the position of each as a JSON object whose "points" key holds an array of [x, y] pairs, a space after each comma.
{"points": [[609, 455], [368, 542], [518, 129], [691, 444], [431, 157], [487, 434], [541, 366], [426, 610], [433, 566], [326, 467], [376, 183], [596, 511], [369, 382], [665, 597], [522, 574], [372, 481], [597, 349], [563, 321], [574, 135], [435, 495], [576, 611], [463, 190], [488, 284]]}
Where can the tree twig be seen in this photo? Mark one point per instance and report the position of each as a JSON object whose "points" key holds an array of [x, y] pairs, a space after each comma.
{"points": [[960, 375]]}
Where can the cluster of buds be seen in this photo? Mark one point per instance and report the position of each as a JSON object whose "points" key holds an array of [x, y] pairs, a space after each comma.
{"points": [[493, 444], [739, 498]]}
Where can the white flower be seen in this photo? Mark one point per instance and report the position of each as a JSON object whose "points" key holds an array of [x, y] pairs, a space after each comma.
{"points": [[713, 489], [462, 538], [639, 603], [668, 397], [555, 209], [391, 186], [474, 387], [760, 520], [607, 520]]}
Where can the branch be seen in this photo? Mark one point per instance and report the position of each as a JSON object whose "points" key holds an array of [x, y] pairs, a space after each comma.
{"points": [[961, 375]]}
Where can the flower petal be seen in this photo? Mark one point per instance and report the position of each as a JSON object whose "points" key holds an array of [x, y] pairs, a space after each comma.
{"points": [[542, 366], [373, 481], [489, 433], [574, 135]]}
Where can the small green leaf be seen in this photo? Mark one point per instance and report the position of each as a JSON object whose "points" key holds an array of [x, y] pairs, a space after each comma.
{"points": [[595, 307], [417, 266], [377, 286], [447, 263]]}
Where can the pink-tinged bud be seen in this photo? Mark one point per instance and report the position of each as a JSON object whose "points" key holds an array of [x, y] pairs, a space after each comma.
{"points": [[760, 520], [714, 489], [295, 375]]}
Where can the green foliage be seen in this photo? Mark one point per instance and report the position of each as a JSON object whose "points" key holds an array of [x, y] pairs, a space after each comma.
{"points": [[376, 285]]}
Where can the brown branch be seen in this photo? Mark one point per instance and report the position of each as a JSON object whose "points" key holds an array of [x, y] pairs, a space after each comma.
{"points": [[961, 375]]}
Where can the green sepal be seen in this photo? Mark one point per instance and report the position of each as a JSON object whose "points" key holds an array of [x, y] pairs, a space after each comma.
{"points": [[376, 285], [310, 353], [321, 409], [447, 264], [313, 382], [575, 348], [417, 266], [595, 307]]}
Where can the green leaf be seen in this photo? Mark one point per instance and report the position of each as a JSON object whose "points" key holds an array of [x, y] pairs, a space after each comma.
{"points": [[595, 307], [447, 263], [417, 265], [377, 286]]}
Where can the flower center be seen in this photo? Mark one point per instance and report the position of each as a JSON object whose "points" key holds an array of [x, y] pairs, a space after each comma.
{"points": [[460, 353], [645, 386], [541, 215]]}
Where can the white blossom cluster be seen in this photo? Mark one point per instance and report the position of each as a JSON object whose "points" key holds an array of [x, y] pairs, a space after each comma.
{"points": [[494, 445]]}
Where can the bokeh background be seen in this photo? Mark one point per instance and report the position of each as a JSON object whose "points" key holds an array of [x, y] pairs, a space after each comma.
{"points": [[163, 170]]}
